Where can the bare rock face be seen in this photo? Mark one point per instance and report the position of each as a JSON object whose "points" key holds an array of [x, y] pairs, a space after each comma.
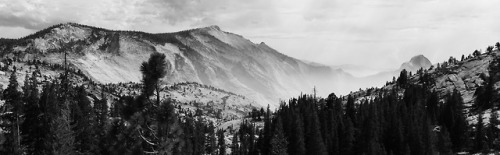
{"points": [[464, 76]]}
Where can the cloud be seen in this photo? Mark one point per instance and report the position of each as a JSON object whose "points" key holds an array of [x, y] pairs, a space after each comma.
{"points": [[38, 14], [126, 14], [326, 31], [234, 13], [26, 22], [26, 14]]}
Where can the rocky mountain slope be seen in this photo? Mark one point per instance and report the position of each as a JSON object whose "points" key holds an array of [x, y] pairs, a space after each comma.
{"points": [[380, 78], [465, 76], [207, 56], [214, 104]]}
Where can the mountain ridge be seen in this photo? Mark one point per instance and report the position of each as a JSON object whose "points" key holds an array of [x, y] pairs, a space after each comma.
{"points": [[206, 55], [468, 76]]}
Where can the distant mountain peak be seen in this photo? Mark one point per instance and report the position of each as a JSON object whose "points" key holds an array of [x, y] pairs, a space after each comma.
{"points": [[264, 45], [420, 60], [210, 28], [214, 27], [415, 63]]}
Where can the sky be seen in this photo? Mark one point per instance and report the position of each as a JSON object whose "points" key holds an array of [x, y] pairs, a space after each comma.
{"points": [[379, 34]]}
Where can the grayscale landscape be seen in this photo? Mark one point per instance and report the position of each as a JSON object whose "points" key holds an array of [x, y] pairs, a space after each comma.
{"points": [[192, 77]]}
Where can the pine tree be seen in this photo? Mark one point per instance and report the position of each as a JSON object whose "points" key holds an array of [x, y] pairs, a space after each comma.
{"points": [[267, 133], [235, 147], [403, 78], [476, 53], [86, 138], [479, 140], [32, 125], [63, 138], [313, 140], [493, 132], [152, 71], [59, 138], [47, 98], [350, 109], [484, 94], [101, 111], [371, 129], [155, 122], [453, 118], [188, 136], [432, 106], [221, 142], [296, 145], [168, 129], [199, 137], [211, 140], [489, 49], [100, 123], [13, 111], [278, 141], [347, 137], [443, 144]]}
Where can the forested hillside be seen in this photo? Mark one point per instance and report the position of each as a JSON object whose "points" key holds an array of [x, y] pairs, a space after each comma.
{"points": [[416, 113], [64, 115]]}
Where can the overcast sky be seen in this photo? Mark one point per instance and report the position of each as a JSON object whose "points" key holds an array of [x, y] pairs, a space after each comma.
{"points": [[375, 33]]}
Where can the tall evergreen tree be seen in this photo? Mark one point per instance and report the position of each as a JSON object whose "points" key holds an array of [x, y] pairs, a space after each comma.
{"points": [[350, 109], [211, 140], [152, 71], [101, 122], [453, 118], [59, 138], [443, 143], [484, 94], [168, 129], [235, 147], [347, 137], [32, 125], [480, 139], [221, 142], [296, 146], [63, 136], [278, 141], [86, 139], [493, 132], [11, 119], [267, 133], [403, 78], [313, 140]]}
